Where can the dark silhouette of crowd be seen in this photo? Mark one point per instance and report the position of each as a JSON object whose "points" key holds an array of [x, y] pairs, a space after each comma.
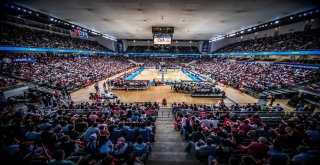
{"points": [[301, 40]]}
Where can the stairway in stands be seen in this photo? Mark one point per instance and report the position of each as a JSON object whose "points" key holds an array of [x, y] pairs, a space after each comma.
{"points": [[168, 148]]}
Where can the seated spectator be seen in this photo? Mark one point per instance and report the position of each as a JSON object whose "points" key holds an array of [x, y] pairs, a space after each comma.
{"points": [[59, 159], [258, 149], [303, 157], [205, 150], [140, 150]]}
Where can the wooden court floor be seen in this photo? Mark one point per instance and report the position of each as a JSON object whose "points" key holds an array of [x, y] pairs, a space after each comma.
{"points": [[172, 75], [157, 93]]}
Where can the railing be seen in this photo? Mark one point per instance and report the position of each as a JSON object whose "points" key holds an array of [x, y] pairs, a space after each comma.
{"points": [[165, 114], [36, 25]]}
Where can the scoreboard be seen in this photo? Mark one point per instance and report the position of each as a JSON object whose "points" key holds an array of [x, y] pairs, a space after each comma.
{"points": [[162, 35]]}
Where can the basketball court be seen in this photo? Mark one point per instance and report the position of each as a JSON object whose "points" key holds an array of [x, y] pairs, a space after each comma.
{"points": [[157, 93], [155, 74]]}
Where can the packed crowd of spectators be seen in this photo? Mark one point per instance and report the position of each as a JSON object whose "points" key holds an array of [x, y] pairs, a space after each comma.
{"points": [[24, 37], [120, 83], [64, 72], [248, 138], [200, 88], [97, 133], [159, 49], [7, 83], [307, 40], [156, 61], [256, 76]]}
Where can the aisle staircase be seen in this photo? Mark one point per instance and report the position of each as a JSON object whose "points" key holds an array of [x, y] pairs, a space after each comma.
{"points": [[168, 148]]}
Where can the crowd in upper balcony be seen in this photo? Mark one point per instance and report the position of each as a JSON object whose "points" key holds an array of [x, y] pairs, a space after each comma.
{"points": [[155, 61], [165, 49], [25, 37]]}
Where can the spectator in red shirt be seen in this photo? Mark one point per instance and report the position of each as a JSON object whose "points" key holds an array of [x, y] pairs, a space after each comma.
{"points": [[245, 127], [258, 149]]}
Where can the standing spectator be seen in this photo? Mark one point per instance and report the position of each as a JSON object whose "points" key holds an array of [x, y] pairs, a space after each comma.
{"points": [[164, 102], [104, 85], [96, 87], [272, 100]]}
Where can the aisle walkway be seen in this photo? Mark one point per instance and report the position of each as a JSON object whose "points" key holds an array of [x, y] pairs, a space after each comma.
{"points": [[169, 146]]}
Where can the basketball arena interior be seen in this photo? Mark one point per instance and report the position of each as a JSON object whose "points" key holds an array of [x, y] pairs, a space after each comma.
{"points": [[160, 82]]}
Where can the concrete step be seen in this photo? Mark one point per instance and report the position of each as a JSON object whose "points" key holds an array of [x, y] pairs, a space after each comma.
{"points": [[172, 162], [169, 138], [173, 156], [164, 119], [168, 146]]}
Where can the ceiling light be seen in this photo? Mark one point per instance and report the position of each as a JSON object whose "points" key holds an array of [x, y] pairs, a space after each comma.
{"points": [[72, 25], [18, 8], [37, 14], [51, 19], [291, 17], [276, 22], [254, 28]]}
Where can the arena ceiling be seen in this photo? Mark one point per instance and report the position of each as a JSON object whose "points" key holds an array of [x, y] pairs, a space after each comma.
{"points": [[192, 19]]}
